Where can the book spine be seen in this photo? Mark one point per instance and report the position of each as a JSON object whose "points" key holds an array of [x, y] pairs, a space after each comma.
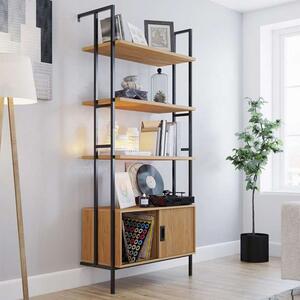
{"points": [[163, 138], [167, 143], [175, 146], [121, 27], [158, 141], [169, 139]]}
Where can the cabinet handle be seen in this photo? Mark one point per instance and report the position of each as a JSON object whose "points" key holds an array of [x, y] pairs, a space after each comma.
{"points": [[162, 233]]}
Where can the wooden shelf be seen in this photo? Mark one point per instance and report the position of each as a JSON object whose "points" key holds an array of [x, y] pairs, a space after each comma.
{"points": [[141, 54], [142, 105], [140, 209], [149, 261], [131, 157]]}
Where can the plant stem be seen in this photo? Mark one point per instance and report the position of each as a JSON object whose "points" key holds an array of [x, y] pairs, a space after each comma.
{"points": [[253, 212], [253, 205]]}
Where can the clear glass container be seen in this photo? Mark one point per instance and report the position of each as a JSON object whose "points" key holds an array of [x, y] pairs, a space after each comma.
{"points": [[159, 87]]}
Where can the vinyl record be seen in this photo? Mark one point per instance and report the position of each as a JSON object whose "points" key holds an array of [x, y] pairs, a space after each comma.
{"points": [[132, 169], [149, 180]]}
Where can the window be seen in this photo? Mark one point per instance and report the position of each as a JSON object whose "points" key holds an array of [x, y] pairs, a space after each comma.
{"points": [[283, 173]]}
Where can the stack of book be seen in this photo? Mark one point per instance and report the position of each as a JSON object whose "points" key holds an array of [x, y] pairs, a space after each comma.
{"points": [[159, 138], [137, 237]]}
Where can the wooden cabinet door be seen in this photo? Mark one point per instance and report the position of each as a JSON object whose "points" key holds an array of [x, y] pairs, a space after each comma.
{"points": [[177, 231]]}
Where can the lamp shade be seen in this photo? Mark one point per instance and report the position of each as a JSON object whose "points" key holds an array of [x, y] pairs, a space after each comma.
{"points": [[16, 79]]}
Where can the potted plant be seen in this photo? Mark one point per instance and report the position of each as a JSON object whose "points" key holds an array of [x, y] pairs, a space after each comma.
{"points": [[258, 141]]}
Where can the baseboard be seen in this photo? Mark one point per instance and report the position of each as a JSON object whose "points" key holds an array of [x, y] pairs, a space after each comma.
{"points": [[63, 280]]}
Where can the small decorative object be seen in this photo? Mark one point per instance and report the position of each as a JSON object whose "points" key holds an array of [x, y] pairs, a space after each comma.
{"points": [[259, 141], [124, 190], [132, 89], [159, 87], [160, 34], [119, 29], [130, 82], [137, 35], [143, 201], [132, 94], [133, 136]]}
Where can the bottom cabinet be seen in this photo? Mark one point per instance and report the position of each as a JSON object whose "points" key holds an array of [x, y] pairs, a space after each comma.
{"points": [[176, 231], [173, 233]]}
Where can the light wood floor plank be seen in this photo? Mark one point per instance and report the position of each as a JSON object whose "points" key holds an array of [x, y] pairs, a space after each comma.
{"points": [[220, 279]]}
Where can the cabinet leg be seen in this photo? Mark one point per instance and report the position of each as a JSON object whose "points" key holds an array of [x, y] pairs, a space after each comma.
{"points": [[112, 282], [190, 265]]}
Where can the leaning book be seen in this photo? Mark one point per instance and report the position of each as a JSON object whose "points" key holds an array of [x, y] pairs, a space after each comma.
{"points": [[105, 29]]}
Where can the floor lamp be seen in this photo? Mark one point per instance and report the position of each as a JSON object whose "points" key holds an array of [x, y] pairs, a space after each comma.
{"points": [[16, 88]]}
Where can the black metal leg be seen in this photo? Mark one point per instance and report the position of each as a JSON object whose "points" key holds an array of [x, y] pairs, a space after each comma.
{"points": [[190, 265], [112, 282]]}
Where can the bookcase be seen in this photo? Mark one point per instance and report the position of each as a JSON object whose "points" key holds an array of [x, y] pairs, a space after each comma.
{"points": [[174, 229]]}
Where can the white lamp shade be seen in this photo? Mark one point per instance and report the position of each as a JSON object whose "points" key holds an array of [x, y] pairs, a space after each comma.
{"points": [[16, 79]]}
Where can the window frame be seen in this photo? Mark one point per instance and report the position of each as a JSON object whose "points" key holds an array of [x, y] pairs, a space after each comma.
{"points": [[278, 105]]}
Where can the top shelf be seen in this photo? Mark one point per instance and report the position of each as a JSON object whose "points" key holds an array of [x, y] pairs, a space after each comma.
{"points": [[141, 54]]}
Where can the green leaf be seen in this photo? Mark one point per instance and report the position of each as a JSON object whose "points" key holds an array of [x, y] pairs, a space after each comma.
{"points": [[259, 140]]}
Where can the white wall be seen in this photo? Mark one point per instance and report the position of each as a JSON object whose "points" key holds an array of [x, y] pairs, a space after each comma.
{"points": [[268, 206], [51, 135]]}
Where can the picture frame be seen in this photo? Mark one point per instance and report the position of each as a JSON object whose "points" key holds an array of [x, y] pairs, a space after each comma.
{"points": [[160, 34], [119, 29], [124, 191], [137, 35]]}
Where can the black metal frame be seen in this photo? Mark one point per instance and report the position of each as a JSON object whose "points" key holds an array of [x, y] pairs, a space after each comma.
{"points": [[95, 13]]}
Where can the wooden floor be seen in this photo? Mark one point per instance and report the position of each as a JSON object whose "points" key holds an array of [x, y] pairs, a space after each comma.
{"points": [[220, 279]]}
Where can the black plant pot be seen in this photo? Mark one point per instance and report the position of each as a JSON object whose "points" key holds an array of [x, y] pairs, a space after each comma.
{"points": [[254, 247]]}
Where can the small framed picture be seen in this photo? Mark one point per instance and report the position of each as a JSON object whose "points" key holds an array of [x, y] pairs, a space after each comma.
{"points": [[124, 191], [160, 34], [137, 35]]}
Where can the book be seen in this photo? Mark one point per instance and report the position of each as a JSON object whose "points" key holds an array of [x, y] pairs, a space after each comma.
{"points": [[159, 138], [149, 136], [162, 151], [158, 142], [171, 139], [119, 28]]}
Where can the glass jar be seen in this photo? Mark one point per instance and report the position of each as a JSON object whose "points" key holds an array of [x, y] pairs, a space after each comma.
{"points": [[159, 87], [133, 139]]}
